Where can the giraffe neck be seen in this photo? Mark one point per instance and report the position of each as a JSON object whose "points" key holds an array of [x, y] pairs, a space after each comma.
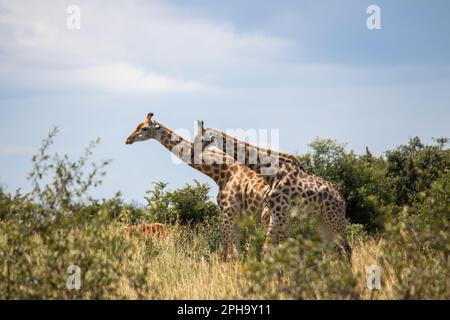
{"points": [[186, 151], [253, 154]]}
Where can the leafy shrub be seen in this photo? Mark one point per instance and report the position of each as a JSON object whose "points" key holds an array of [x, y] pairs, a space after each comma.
{"points": [[360, 178], [302, 267], [35, 264], [69, 183], [373, 185], [188, 205], [403, 195], [433, 205], [356, 231], [53, 227], [418, 256], [412, 168]]}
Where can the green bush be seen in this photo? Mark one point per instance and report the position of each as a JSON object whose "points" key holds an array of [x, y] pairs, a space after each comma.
{"points": [[413, 168], [404, 195], [302, 267], [35, 263], [419, 256], [188, 205], [360, 178], [55, 226], [433, 205], [356, 231], [68, 183], [373, 185]]}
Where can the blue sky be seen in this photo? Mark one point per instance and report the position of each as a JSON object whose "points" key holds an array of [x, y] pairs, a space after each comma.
{"points": [[308, 68]]}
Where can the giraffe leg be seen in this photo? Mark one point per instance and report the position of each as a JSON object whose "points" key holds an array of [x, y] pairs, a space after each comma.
{"points": [[284, 212], [276, 229], [333, 228], [325, 231], [269, 237], [265, 218], [229, 217], [236, 237], [278, 204], [343, 243], [227, 238]]}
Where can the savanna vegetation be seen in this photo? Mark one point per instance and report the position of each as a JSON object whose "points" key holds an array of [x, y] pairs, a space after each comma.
{"points": [[398, 209]]}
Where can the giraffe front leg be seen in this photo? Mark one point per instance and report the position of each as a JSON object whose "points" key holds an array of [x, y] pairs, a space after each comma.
{"points": [[274, 230], [227, 237], [279, 201], [335, 224], [265, 218]]}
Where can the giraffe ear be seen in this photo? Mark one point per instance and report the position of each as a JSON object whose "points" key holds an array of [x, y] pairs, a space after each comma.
{"points": [[149, 116]]}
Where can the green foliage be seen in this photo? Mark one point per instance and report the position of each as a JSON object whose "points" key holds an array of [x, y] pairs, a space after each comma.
{"points": [[69, 182], [35, 263], [43, 233], [413, 259], [373, 185], [250, 237], [405, 194], [356, 231], [419, 255], [302, 267], [412, 168], [188, 205], [433, 206], [359, 178]]}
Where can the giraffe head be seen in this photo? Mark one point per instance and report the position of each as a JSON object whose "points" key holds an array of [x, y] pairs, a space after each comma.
{"points": [[144, 131], [211, 137]]}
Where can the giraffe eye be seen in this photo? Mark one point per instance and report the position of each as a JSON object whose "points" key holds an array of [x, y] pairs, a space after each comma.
{"points": [[144, 129]]}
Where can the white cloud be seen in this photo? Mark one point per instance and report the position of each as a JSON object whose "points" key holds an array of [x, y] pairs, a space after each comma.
{"points": [[123, 47], [124, 79], [140, 47]]}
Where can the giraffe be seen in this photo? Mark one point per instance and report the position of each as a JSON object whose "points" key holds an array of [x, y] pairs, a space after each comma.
{"points": [[240, 188], [290, 186]]}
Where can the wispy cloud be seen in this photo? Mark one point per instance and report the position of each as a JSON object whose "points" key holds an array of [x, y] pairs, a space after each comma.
{"points": [[124, 78], [140, 47], [158, 48]]}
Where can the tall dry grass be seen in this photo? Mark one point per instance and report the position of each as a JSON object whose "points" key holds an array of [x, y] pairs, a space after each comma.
{"points": [[181, 267], [118, 265], [181, 271]]}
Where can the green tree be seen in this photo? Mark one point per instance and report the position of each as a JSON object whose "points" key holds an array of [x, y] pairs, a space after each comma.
{"points": [[360, 178], [188, 205], [412, 168]]}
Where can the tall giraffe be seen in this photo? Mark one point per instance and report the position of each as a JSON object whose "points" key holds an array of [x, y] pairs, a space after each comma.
{"points": [[240, 188], [290, 186]]}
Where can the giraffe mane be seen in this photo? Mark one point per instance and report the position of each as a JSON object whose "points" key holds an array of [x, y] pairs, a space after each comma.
{"points": [[257, 148]]}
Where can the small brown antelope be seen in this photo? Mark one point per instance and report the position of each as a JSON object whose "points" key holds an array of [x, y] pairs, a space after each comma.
{"points": [[149, 229]]}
